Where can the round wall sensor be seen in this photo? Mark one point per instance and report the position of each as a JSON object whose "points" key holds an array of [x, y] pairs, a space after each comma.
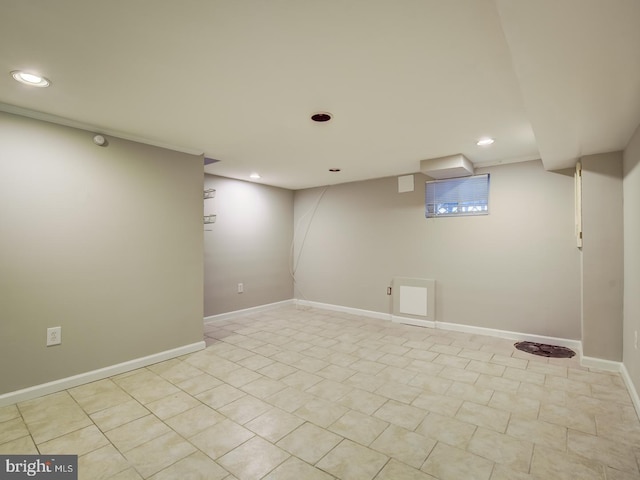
{"points": [[99, 140]]}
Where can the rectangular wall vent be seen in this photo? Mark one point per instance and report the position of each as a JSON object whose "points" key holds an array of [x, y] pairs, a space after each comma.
{"points": [[414, 301]]}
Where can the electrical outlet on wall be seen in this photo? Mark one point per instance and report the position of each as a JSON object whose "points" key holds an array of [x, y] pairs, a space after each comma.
{"points": [[54, 336], [240, 288]]}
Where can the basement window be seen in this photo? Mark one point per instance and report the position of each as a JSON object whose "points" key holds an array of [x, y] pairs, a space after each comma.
{"points": [[454, 197]]}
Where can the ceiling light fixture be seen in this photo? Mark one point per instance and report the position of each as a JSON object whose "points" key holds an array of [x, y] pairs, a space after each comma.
{"points": [[321, 117], [483, 142], [30, 79], [255, 176]]}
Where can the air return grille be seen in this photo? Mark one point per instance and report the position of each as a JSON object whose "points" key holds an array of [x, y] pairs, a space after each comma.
{"points": [[414, 301]]}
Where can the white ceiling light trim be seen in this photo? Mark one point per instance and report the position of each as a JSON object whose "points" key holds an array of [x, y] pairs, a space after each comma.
{"points": [[485, 142], [30, 79]]}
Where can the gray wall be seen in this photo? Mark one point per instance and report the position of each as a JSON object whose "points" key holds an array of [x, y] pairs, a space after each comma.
{"points": [[250, 243], [517, 269], [631, 184], [602, 256], [105, 242]]}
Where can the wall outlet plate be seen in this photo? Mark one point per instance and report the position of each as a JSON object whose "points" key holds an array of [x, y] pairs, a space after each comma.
{"points": [[54, 336]]}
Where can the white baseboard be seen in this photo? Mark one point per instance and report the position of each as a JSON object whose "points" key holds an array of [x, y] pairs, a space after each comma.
{"points": [[413, 321], [509, 335], [94, 375], [633, 392], [589, 362], [601, 364], [340, 308], [248, 311], [455, 327], [576, 345]]}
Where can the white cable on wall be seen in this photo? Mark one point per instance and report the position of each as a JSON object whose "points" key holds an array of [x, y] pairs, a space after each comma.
{"points": [[293, 262]]}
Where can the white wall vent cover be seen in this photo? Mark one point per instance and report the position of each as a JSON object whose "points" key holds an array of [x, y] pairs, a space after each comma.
{"points": [[414, 301], [452, 166], [405, 184]]}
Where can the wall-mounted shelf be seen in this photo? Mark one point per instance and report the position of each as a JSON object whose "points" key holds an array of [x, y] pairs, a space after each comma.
{"points": [[209, 219], [209, 193]]}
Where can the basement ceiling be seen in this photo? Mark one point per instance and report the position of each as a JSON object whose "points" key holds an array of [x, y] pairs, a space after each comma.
{"points": [[404, 80]]}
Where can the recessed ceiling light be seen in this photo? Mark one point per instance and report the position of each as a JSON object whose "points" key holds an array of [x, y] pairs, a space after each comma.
{"points": [[321, 117], [30, 79], [483, 142], [255, 176]]}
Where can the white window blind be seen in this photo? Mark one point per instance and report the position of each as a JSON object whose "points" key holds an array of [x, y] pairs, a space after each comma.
{"points": [[457, 196]]}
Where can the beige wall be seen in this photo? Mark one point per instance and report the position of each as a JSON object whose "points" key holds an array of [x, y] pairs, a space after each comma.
{"points": [[103, 241], [517, 269], [631, 184], [250, 243], [602, 256]]}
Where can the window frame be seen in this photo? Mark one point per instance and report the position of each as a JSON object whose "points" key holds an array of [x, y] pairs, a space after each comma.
{"points": [[467, 196]]}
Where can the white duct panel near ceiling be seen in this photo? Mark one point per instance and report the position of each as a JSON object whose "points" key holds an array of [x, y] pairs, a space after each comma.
{"points": [[452, 166], [414, 301]]}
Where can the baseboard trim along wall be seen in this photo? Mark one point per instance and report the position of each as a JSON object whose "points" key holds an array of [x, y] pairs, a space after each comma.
{"points": [[601, 364], [340, 308], [455, 327], [248, 311], [94, 375], [589, 362], [413, 321], [633, 391], [508, 335]]}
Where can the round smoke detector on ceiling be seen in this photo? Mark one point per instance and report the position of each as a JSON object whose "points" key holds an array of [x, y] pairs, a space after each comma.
{"points": [[321, 117]]}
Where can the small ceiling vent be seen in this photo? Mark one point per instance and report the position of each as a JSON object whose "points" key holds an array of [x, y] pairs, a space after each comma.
{"points": [[447, 167]]}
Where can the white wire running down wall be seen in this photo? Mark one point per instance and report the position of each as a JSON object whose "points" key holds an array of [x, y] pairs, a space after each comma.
{"points": [[293, 258]]}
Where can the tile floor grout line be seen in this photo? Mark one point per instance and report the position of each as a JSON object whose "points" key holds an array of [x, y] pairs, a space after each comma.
{"points": [[557, 381]]}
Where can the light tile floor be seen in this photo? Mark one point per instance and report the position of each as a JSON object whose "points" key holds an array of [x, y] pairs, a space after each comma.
{"points": [[294, 394]]}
